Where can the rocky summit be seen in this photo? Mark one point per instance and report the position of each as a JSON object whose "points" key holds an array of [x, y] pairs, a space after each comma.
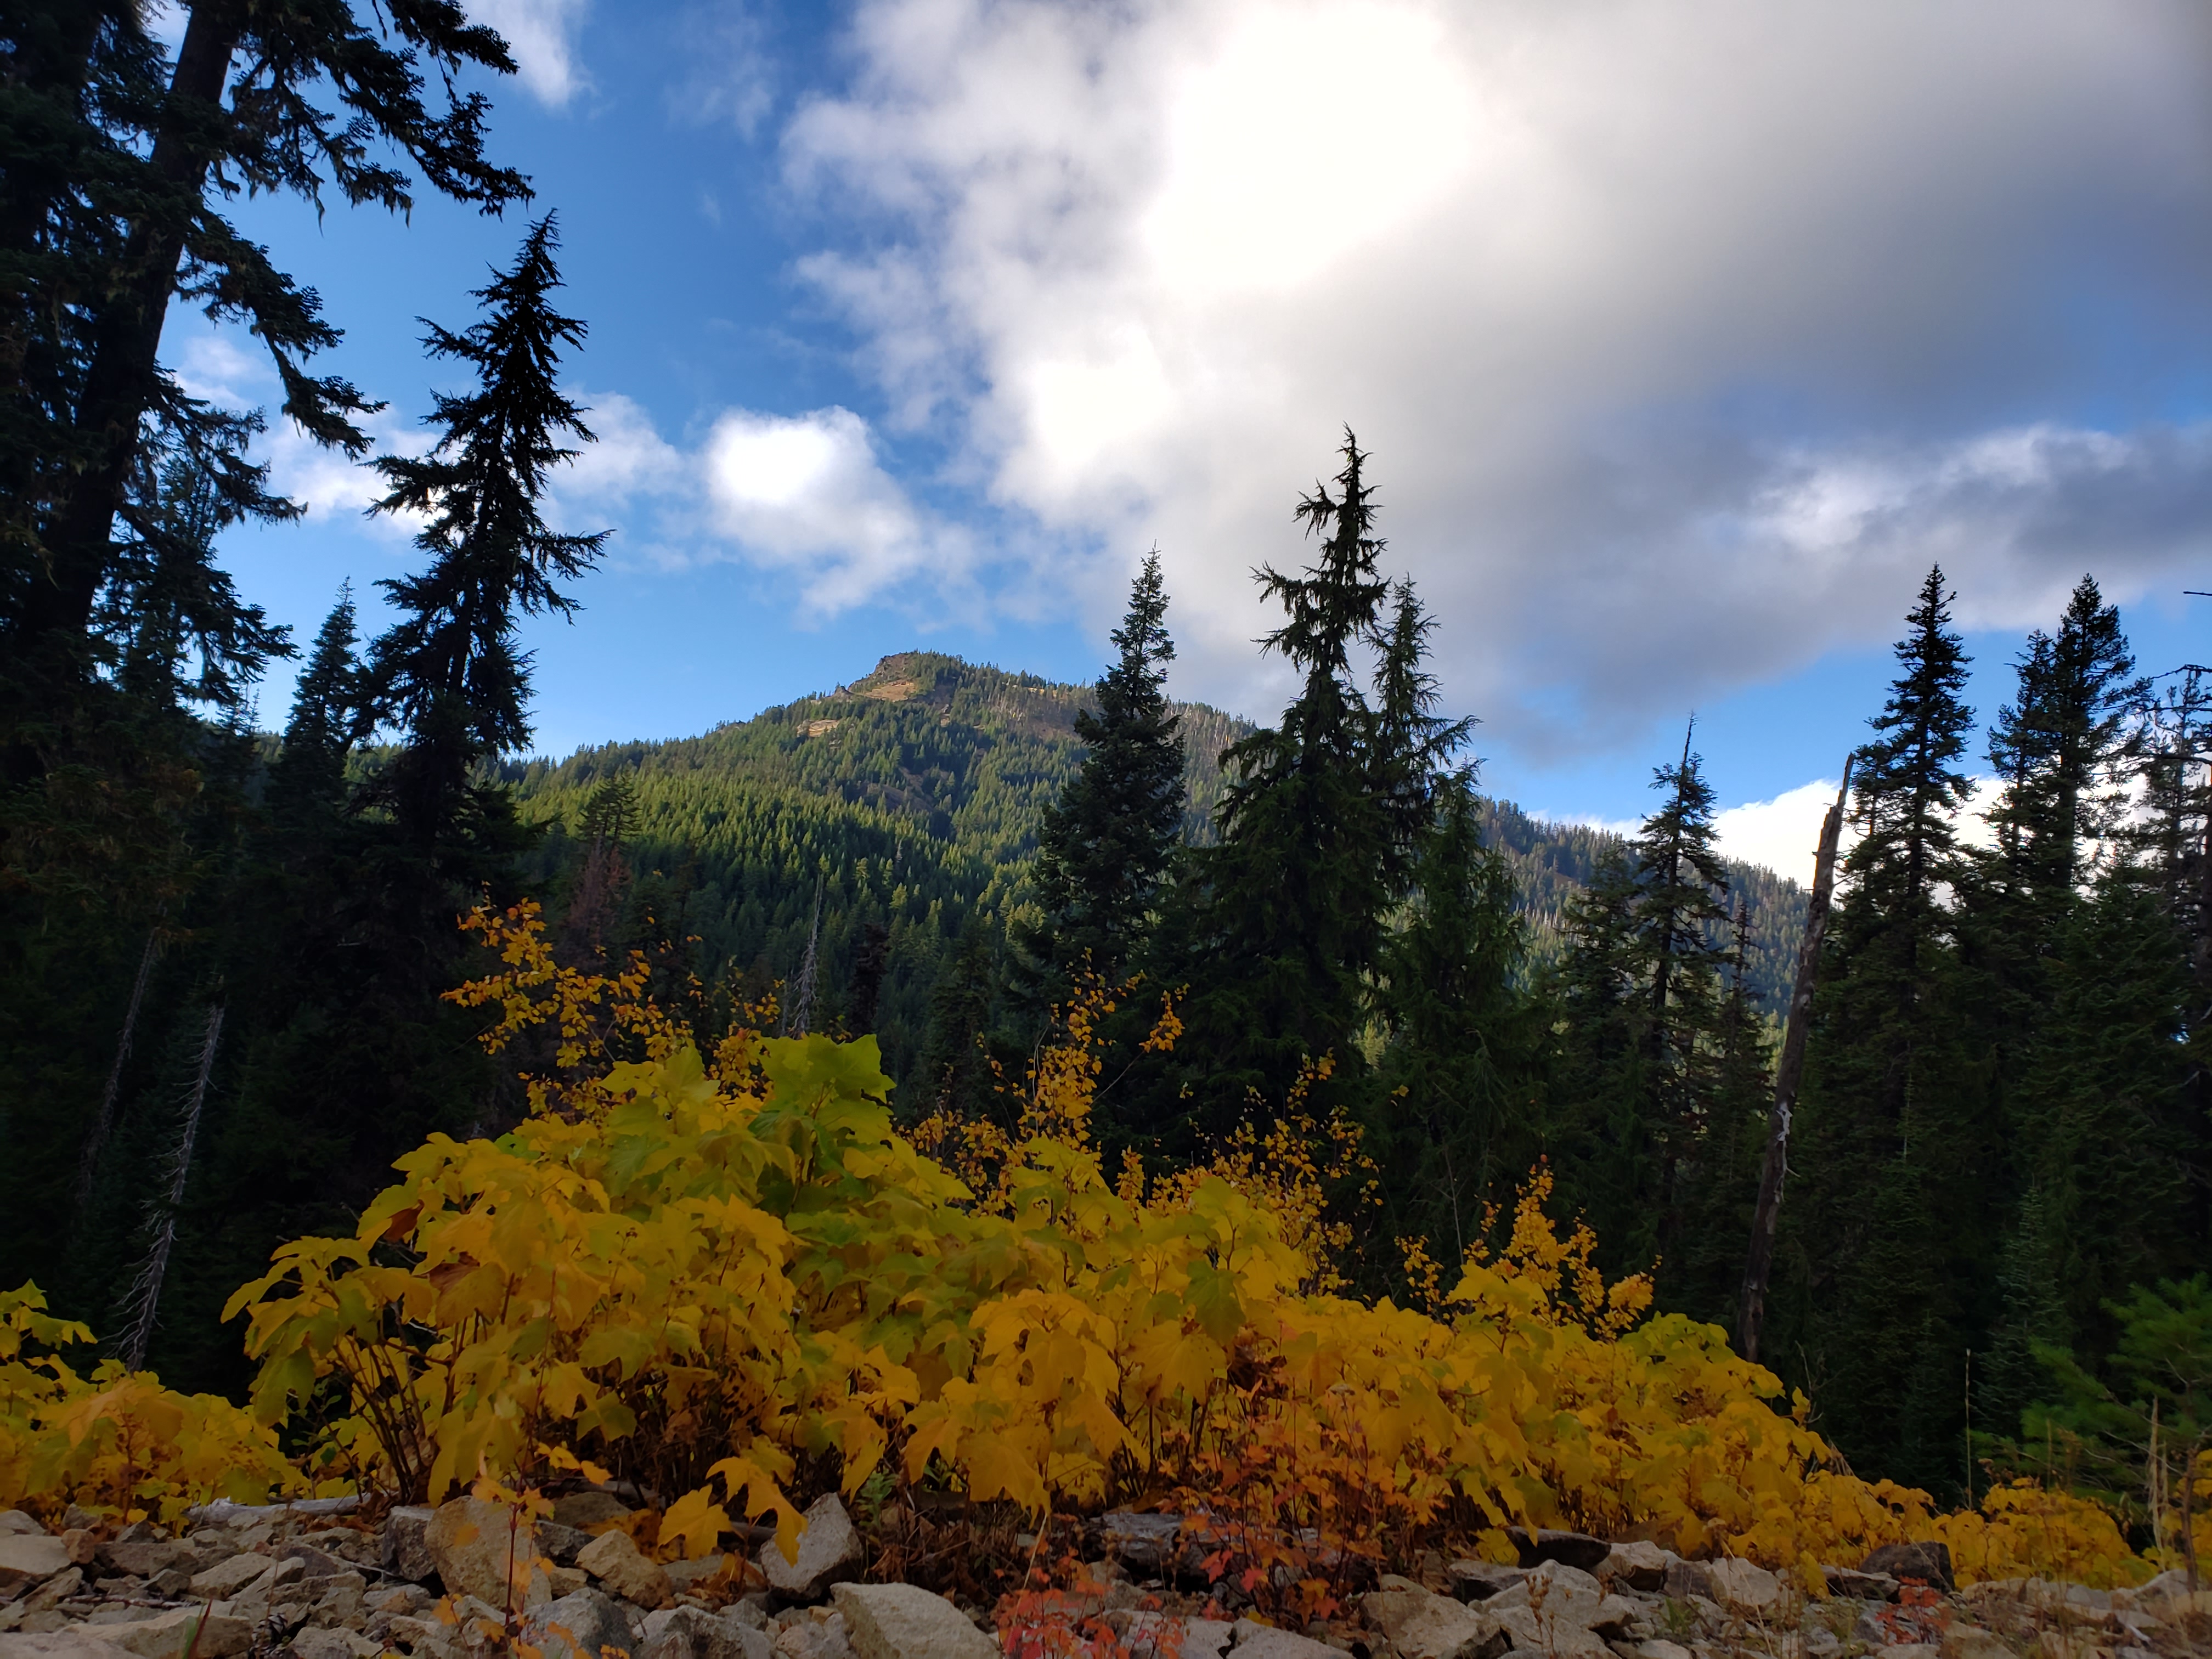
{"points": [[471, 1579]]}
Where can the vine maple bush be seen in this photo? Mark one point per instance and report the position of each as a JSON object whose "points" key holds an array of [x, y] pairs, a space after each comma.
{"points": [[731, 1280], [116, 1442]]}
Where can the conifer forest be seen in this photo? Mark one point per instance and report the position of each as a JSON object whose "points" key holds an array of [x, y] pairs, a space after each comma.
{"points": [[1924, 1152]]}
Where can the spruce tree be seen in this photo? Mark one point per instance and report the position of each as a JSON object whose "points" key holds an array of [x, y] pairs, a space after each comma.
{"points": [[1281, 924], [1893, 1119], [448, 672], [1463, 1081], [1103, 848]]}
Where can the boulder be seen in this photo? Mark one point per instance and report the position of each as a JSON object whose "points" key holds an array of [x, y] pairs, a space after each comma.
{"points": [[1930, 1562], [1687, 1579], [167, 1635], [1573, 1549], [1640, 1566], [83, 1546], [1256, 1641], [1743, 1587], [812, 1638], [1613, 1616], [145, 1558], [1534, 1632], [1860, 1586], [1143, 1544], [1421, 1625], [695, 1633], [1965, 1641], [559, 1544], [1558, 1594], [406, 1553], [1478, 1581], [1159, 1636], [77, 1642], [18, 1521], [1662, 1650], [484, 1550], [313, 1563], [227, 1577], [829, 1553], [27, 1557], [589, 1508], [580, 1626], [617, 1563], [318, 1643], [903, 1621]]}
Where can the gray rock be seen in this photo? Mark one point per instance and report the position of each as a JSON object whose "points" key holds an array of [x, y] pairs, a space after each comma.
{"points": [[1143, 1544], [313, 1563], [314, 1643], [829, 1553], [76, 1642], [1559, 1594], [1640, 1566], [559, 1544], [1613, 1616], [1659, 1649], [589, 1508], [903, 1621], [616, 1563], [1478, 1581], [144, 1557], [1860, 1586], [1930, 1562], [579, 1626], [55, 1591], [1421, 1625], [165, 1636], [227, 1577], [484, 1550], [1573, 1549], [695, 1633], [1743, 1587], [1685, 1579], [18, 1521], [27, 1557], [406, 1544], [1256, 1641]]}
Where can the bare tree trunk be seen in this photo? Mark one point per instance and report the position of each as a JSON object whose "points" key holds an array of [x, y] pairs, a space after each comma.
{"points": [[146, 1289], [104, 1123], [1787, 1075]]}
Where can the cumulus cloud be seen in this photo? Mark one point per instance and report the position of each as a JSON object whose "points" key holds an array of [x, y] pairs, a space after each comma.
{"points": [[1684, 337], [541, 35], [1784, 834], [806, 494]]}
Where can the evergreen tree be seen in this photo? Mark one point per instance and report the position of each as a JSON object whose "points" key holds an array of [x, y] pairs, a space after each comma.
{"points": [[448, 671], [1462, 1075], [1892, 1119], [1280, 926], [326, 707], [1641, 987], [1104, 847]]}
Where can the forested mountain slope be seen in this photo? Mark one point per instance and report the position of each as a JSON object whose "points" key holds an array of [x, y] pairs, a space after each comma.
{"points": [[911, 798]]}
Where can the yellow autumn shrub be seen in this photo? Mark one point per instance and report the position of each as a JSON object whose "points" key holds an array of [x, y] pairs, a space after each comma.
{"points": [[116, 1444], [2023, 1530], [728, 1277]]}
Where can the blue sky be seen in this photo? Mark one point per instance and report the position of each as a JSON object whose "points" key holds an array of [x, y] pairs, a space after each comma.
{"points": [[1684, 338]]}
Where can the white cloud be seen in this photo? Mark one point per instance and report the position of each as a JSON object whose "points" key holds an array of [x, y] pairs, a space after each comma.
{"points": [[1783, 835], [541, 35], [1684, 337], [806, 494]]}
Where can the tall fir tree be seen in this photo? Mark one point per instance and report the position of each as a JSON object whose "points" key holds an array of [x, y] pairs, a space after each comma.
{"points": [[1646, 945], [1104, 848], [448, 672], [1278, 928], [1891, 1113], [1462, 1092]]}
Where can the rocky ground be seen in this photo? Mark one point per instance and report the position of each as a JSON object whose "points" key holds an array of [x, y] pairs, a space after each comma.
{"points": [[472, 1580]]}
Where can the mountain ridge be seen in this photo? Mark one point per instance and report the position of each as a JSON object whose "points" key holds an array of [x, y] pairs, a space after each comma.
{"points": [[910, 798]]}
